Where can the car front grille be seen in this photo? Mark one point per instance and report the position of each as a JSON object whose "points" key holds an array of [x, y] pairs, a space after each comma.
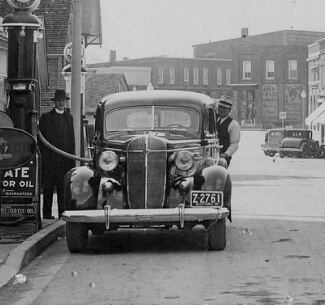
{"points": [[146, 172]]}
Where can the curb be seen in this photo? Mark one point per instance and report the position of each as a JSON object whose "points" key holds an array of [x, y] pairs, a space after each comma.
{"points": [[20, 256]]}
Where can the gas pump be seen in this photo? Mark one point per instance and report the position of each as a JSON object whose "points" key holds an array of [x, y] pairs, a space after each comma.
{"points": [[20, 182]]}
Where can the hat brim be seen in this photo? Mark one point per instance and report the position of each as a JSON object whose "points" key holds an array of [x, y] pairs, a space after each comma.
{"points": [[53, 99], [224, 105]]}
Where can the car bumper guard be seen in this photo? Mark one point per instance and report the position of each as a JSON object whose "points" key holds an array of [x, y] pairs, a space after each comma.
{"points": [[179, 215]]}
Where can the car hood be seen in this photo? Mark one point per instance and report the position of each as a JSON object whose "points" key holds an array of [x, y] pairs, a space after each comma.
{"points": [[291, 142]]}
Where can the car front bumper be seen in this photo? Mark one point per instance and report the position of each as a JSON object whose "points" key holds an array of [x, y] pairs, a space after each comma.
{"points": [[287, 149], [265, 147], [178, 215]]}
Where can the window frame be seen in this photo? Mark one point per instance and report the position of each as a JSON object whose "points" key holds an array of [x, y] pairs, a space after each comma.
{"points": [[247, 73], [195, 76], [172, 75], [269, 68], [186, 75], [160, 75], [219, 76], [228, 76], [205, 76], [290, 70]]}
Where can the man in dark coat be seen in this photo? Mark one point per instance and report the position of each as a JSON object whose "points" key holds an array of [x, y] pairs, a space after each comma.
{"points": [[56, 127]]}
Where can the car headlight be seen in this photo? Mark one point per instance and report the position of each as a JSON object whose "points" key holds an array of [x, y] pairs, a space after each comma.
{"points": [[108, 161], [184, 161]]}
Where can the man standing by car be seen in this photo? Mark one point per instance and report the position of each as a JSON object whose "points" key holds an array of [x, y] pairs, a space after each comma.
{"points": [[56, 127], [228, 129]]}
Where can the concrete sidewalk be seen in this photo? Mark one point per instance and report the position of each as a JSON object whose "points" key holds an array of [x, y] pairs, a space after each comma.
{"points": [[20, 243]]}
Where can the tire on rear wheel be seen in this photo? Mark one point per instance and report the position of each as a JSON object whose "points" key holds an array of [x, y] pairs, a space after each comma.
{"points": [[303, 153], [217, 235], [77, 236]]}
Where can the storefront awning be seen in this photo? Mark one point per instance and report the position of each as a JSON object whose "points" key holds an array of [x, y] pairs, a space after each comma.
{"points": [[91, 22], [244, 86], [316, 116]]}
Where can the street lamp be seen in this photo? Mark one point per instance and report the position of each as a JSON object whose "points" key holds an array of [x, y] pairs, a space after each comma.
{"points": [[303, 97]]}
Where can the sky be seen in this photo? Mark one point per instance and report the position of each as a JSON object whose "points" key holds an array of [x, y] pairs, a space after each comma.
{"points": [[147, 28]]}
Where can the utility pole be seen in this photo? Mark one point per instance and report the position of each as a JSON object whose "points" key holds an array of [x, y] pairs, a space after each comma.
{"points": [[76, 103]]}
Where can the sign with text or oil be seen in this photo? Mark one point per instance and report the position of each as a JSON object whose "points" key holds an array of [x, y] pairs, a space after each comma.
{"points": [[17, 148], [19, 182]]}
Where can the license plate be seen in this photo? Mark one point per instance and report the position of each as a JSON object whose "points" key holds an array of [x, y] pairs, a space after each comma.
{"points": [[206, 198]]}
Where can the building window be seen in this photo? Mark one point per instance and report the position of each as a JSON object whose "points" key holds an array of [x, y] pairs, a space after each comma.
{"points": [[270, 69], [219, 76], [228, 76], [205, 76], [186, 75], [172, 75], [160, 75], [247, 70], [195, 76], [293, 69]]}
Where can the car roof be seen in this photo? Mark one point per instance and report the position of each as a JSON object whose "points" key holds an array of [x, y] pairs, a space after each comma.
{"points": [[157, 97]]}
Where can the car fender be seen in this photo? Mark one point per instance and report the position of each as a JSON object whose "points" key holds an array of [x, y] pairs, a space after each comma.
{"points": [[79, 188], [212, 178], [215, 178]]}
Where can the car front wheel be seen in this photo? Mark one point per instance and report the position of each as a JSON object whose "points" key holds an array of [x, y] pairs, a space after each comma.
{"points": [[77, 236], [217, 235]]}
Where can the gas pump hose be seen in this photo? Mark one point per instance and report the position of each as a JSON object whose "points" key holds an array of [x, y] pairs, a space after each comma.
{"points": [[61, 152]]}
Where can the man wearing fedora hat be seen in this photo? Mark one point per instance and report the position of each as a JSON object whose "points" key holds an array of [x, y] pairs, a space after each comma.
{"points": [[228, 129], [56, 127]]}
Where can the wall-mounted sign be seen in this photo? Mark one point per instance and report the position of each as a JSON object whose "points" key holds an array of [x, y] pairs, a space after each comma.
{"points": [[293, 102], [17, 148], [270, 99], [30, 5], [19, 182], [282, 115]]}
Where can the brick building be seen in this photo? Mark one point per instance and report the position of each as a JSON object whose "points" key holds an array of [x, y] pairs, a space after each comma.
{"points": [[269, 74], [208, 76], [266, 74]]}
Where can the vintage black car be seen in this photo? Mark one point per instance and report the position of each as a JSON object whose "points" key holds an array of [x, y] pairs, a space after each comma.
{"points": [[155, 163], [300, 143], [273, 138]]}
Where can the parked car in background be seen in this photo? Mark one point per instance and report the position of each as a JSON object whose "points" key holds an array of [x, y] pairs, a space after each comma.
{"points": [[155, 164], [273, 138], [299, 143]]}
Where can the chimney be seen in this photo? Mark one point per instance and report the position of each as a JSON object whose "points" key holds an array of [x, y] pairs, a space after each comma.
{"points": [[112, 56], [244, 32]]}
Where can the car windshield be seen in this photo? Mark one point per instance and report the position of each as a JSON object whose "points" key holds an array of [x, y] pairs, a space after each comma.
{"points": [[152, 117], [276, 133], [297, 133]]}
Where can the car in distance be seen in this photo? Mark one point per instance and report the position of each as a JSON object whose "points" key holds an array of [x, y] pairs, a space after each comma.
{"points": [[155, 163], [300, 143], [273, 138]]}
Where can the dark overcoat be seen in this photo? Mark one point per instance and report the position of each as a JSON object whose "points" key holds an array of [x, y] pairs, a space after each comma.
{"points": [[58, 130]]}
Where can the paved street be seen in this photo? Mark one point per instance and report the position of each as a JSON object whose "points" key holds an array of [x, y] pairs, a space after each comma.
{"points": [[274, 252]]}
